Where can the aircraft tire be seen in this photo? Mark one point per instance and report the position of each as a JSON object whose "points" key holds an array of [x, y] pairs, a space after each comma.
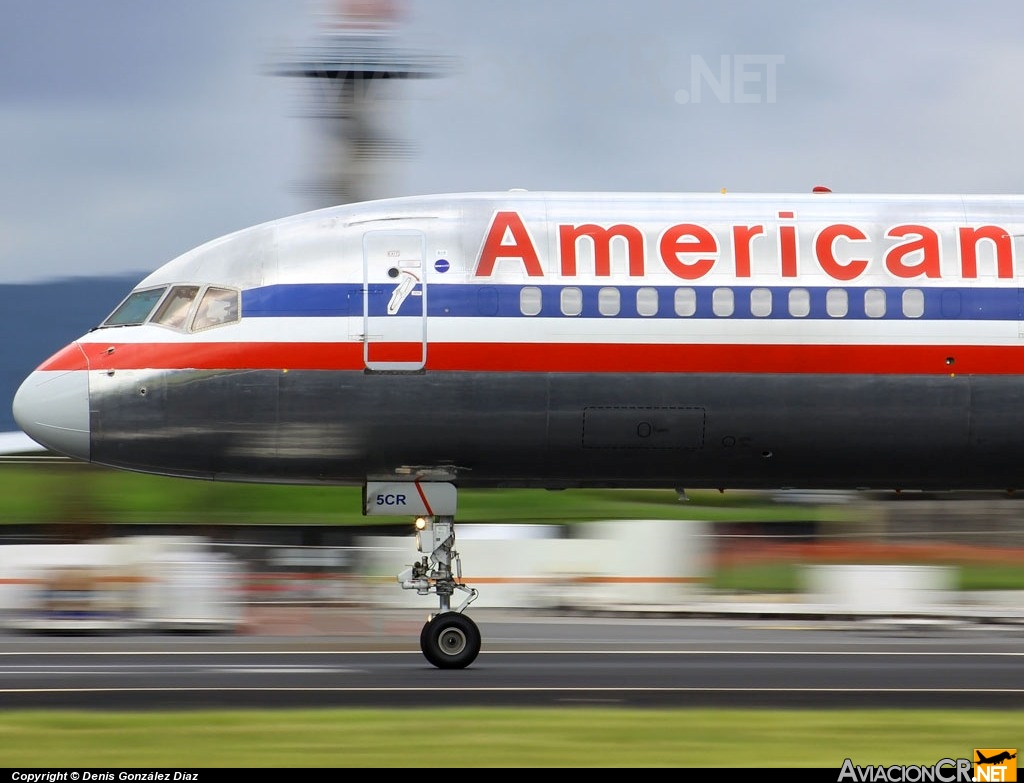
{"points": [[450, 640]]}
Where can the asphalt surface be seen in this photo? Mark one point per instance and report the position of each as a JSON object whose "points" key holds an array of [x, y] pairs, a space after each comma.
{"points": [[308, 657]]}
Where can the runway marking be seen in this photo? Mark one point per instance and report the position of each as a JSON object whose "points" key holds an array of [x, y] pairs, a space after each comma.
{"points": [[283, 670], [173, 668], [518, 689], [973, 653], [935, 653], [154, 666]]}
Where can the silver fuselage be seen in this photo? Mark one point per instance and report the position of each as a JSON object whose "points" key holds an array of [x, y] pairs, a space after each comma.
{"points": [[570, 340]]}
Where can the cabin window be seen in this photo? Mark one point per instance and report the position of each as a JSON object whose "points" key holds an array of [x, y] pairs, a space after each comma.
{"points": [[608, 301], [761, 302], [874, 303], [685, 301], [723, 302], [173, 310], [572, 301], [529, 300], [135, 309], [217, 307], [837, 303], [913, 303], [799, 303], [647, 301]]}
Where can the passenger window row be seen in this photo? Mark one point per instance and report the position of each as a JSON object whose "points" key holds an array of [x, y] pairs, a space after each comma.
{"points": [[763, 302]]}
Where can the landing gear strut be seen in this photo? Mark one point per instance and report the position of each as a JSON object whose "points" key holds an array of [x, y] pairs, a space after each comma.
{"points": [[449, 639]]}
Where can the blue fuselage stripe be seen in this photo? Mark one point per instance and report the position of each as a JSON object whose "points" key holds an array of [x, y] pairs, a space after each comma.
{"points": [[504, 301]]}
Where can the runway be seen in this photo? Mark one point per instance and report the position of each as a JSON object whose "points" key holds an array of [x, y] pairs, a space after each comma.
{"points": [[529, 660]]}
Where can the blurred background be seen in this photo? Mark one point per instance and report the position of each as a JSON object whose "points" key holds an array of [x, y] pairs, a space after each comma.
{"points": [[133, 132]]}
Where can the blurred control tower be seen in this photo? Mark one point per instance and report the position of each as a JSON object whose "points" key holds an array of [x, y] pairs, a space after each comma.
{"points": [[350, 76]]}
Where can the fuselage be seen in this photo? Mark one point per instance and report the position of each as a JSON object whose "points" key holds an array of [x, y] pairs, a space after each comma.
{"points": [[569, 339]]}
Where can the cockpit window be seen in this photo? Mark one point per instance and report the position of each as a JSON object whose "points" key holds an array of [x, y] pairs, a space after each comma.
{"points": [[173, 311], [217, 307], [135, 309]]}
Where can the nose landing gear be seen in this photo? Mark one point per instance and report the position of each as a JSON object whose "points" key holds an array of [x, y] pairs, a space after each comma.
{"points": [[449, 639]]}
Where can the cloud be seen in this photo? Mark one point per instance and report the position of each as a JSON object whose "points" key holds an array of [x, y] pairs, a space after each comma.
{"points": [[130, 131]]}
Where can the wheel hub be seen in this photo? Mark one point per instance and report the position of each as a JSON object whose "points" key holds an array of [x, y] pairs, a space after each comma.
{"points": [[453, 641]]}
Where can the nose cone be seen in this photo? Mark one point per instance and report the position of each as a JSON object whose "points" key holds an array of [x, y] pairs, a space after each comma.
{"points": [[52, 407]]}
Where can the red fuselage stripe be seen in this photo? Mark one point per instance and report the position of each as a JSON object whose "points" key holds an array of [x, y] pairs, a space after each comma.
{"points": [[559, 357]]}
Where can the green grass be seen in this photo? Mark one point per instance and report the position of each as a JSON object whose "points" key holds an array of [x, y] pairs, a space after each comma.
{"points": [[453, 738], [71, 492], [992, 577], [758, 577]]}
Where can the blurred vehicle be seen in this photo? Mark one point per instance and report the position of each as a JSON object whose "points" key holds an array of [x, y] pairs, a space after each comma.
{"points": [[139, 583]]}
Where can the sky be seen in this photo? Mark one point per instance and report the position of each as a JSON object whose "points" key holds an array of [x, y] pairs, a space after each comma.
{"points": [[132, 131]]}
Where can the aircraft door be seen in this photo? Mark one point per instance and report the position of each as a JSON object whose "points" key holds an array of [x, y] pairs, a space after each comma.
{"points": [[394, 301]]}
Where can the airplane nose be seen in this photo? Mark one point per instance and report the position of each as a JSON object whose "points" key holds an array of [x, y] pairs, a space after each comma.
{"points": [[52, 407]]}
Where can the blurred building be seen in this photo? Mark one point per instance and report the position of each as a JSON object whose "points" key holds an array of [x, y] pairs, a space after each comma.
{"points": [[351, 76]]}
